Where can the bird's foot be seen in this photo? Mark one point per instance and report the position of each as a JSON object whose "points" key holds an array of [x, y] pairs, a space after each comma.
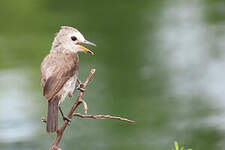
{"points": [[64, 116], [81, 87], [67, 119]]}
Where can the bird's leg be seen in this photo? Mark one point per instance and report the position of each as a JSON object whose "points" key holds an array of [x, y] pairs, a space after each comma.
{"points": [[64, 117], [80, 86]]}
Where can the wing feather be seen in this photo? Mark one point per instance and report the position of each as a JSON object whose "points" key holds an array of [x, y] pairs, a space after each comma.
{"points": [[56, 69]]}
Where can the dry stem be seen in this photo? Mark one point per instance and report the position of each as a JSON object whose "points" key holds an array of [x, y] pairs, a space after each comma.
{"points": [[79, 100], [60, 131], [103, 117]]}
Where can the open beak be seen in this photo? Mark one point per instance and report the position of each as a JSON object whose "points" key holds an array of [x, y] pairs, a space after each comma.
{"points": [[85, 49]]}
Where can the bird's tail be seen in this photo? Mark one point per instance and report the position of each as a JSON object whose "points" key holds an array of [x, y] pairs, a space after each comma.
{"points": [[52, 119]]}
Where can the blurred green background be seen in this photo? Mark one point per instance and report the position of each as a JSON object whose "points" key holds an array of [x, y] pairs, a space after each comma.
{"points": [[160, 63]]}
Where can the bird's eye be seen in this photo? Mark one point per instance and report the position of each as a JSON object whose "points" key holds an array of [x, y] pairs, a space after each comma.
{"points": [[73, 38]]}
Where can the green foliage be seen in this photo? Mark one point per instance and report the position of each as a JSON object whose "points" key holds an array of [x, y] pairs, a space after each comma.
{"points": [[176, 145]]}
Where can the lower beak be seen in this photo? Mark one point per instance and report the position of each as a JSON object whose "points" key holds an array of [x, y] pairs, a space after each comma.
{"points": [[85, 49]]}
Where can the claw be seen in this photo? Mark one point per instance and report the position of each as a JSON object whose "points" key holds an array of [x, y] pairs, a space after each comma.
{"points": [[66, 118], [81, 87]]}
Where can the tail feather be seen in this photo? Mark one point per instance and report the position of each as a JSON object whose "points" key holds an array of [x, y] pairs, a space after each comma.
{"points": [[52, 119]]}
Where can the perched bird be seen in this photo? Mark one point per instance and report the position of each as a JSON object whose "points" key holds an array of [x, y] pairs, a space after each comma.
{"points": [[59, 71]]}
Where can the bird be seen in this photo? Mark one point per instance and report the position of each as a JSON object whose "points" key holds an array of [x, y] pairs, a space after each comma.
{"points": [[59, 71]]}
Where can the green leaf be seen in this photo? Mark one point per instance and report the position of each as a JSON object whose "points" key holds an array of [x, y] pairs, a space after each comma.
{"points": [[176, 145], [182, 148]]}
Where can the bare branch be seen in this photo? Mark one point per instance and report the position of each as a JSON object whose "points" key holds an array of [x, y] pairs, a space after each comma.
{"points": [[84, 105], [60, 131], [43, 119], [103, 117], [79, 101]]}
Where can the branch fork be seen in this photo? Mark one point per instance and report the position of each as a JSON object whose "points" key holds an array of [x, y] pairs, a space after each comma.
{"points": [[79, 100]]}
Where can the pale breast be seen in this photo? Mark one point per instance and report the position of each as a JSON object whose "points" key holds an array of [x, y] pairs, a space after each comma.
{"points": [[68, 87]]}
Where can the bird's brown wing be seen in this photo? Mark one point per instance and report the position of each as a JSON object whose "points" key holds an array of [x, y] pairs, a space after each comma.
{"points": [[56, 69]]}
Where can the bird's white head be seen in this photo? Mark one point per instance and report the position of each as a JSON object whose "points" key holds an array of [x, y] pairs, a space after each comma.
{"points": [[69, 38]]}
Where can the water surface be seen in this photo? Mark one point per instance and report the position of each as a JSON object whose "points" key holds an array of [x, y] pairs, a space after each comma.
{"points": [[160, 63]]}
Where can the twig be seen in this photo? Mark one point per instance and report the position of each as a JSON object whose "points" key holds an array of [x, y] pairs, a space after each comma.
{"points": [[103, 117], [84, 105], [60, 131], [79, 100], [43, 119]]}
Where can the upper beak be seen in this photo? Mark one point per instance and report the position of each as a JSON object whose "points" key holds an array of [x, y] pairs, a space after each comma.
{"points": [[89, 43], [85, 49]]}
